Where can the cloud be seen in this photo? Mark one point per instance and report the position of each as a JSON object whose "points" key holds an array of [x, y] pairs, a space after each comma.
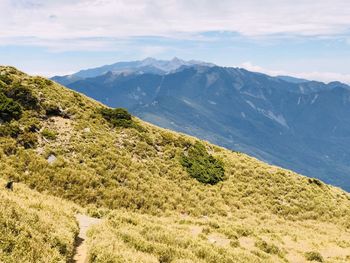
{"points": [[313, 75], [45, 20], [228, 31]]}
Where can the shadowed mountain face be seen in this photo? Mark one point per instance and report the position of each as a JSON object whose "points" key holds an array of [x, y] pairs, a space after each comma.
{"points": [[300, 125]]}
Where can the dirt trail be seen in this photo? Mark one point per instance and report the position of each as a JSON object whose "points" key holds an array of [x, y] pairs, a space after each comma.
{"points": [[85, 222]]}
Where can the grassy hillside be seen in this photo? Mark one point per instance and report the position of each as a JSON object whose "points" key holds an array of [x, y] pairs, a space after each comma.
{"points": [[60, 142], [35, 227], [129, 237]]}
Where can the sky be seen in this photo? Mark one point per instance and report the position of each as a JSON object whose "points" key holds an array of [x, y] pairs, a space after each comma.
{"points": [[302, 38]]}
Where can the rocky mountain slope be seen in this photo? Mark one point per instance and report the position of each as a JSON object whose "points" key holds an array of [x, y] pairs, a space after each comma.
{"points": [[165, 196], [297, 124]]}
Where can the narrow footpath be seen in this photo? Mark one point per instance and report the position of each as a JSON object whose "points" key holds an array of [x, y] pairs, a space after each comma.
{"points": [[85, 222]]}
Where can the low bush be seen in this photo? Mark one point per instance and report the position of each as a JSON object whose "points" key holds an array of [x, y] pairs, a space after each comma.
{"points": [[28, 140], [6, 79], [23, 96], [9, 109], [314, 256], [32, 124], [267, 247], [9, 146], [10, 129], [315, 181], [54, 110], [203, 166], [48, 134], [117, 117]]}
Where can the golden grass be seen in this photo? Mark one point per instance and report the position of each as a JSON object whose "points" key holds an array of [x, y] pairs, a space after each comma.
{"points": [[130, 237], [35, 227]]}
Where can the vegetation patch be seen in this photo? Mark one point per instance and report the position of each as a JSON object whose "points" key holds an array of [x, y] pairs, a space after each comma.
{"points": [[268, 247], [54, 110], [23, 96], [28, 140], [6, 79], [9, 109], [117, 117], [314, 256], [203, 166], [48, 134], [10, 129], [314, 181]]}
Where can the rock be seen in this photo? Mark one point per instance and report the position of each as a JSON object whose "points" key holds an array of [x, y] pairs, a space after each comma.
{"points": [[51, 158]]}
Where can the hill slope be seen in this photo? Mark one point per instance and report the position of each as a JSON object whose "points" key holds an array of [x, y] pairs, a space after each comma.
{"points": [[300, 125], [35, 227], [59, 141]]}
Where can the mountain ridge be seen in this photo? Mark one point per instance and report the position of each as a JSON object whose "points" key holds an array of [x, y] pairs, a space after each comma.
{"points": [[147, 65]]}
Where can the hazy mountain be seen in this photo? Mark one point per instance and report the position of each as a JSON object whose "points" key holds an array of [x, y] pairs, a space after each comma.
{"points": [[65, 80], [301, 126], [148, 65]]}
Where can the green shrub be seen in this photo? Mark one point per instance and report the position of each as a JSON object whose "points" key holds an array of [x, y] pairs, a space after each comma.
{"points": [[315, 181], [267, 248], [28, 140], [10, 129], [32, 124], [54, 110], [118, 117], [6, 79], [314, 256], [48, 82], [234, 243], [22, 95], [9, 147], [50, 135], [203, 166], [9, 109]]}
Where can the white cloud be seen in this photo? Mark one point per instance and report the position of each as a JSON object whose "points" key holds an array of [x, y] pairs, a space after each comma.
{"points": [[313, 75], [112, 25], [54, 20]]}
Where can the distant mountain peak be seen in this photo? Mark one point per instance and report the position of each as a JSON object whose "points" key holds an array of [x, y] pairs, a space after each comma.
{"points": [[180, 61], [149, 60], [147, 65]]}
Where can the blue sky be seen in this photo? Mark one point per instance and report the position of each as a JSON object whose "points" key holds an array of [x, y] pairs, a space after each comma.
{"points": [[309, 39]]}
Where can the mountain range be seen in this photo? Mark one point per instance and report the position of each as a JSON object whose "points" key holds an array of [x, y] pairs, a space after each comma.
{"points": [[294, 123]]}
